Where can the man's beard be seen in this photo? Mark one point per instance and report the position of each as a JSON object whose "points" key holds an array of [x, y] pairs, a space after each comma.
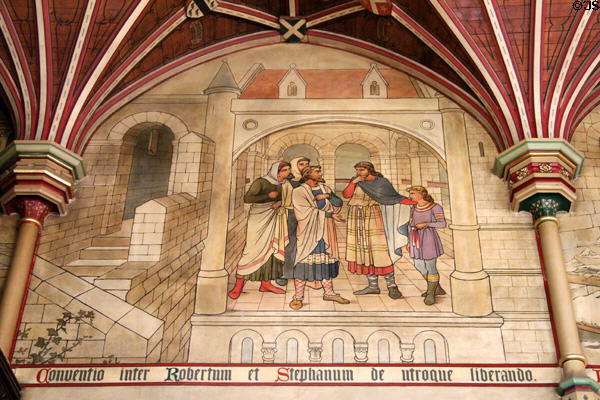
{"points": [[320, 180], [290, 176]]}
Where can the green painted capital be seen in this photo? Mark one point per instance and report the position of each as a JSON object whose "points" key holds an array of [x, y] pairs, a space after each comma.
{"points": [[573, 382], [537, 146], [42, 148], [41, 169], [545, 205]]}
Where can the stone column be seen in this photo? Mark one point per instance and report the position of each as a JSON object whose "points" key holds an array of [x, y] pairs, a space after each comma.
{"points": [[251, 165], [386, 167], [327, 162], [211, 288], [571, 359], [31, 186], [471, 291], [540, 174], [33, 212], [415, 169]]}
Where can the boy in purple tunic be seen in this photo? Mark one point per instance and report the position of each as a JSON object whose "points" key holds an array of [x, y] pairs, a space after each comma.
{"points": [[423, 240]]}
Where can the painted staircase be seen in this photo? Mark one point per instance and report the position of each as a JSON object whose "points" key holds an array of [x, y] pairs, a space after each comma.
{"points": [[105, 263]]}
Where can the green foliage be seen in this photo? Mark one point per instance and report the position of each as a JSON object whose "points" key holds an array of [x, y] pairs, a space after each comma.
{"points": [[54, 347]]}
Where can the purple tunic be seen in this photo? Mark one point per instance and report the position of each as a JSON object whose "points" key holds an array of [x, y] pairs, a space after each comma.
{"points": [[425, 243]]}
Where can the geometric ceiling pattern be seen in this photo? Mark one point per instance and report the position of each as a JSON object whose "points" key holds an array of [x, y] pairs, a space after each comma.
{"points": [[524, 69]]}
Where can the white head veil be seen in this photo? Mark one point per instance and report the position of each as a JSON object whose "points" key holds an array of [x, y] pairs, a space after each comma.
{"points": [[271, 176]]}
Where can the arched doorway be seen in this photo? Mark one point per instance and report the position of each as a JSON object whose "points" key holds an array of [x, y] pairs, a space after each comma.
{"points": [[339, 147], [346, 156], [301, 150], [150, 167]]}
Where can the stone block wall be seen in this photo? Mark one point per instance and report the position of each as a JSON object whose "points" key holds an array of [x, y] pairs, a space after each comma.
{"points": [[165, 291], [117, 193], [64, 237], [510, 257], [109, 330], [8, 237], [185, 173], [528, 340], [167, 288], [148, 230], [581, 228], [402, 163]]}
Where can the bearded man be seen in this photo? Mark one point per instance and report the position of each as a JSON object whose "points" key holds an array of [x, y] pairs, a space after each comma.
{"points": [[266, 234], [377, 228], [317, 258], [297, 165]]}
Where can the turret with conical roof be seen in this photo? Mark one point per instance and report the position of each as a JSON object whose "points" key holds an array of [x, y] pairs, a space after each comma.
{"points": [[223, 81]]}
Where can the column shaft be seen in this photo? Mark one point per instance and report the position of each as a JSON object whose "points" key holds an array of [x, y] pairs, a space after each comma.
{"points": [[560, 292], [16, 284], [415, 170], [211, 288], [328, 164], [471, 292]]}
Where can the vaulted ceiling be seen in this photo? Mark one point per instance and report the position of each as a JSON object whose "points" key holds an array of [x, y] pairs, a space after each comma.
{"points": [[522, 68]]}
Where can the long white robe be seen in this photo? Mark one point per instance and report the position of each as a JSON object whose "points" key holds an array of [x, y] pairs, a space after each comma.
{"points": [[312, 223]]}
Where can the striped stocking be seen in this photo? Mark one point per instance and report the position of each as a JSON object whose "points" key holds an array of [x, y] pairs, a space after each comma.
{"points": [[299, 289], [328, 287]]}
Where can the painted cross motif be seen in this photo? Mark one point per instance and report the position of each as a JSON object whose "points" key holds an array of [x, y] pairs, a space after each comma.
{"points": [[292, 30], [199, 8], [378, 7]]}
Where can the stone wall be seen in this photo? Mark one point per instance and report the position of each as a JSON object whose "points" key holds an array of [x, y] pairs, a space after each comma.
{"points": [[581, 228], [64, 237], [68, 320], [164, 289], [510, 257], [8, 237], [167, 288]]}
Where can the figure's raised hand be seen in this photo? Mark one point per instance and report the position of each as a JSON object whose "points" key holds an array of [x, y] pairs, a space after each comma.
{"points": [[273, 194], [337, 218], [276, 205], [358, 179], [321, 196]]}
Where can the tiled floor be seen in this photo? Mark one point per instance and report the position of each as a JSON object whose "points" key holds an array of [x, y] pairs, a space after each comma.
{"points": [[409, 280]]}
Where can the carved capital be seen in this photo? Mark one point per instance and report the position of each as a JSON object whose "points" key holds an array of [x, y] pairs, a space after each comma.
{"points": [[407, 352], [39, 169], [536, 167], [314, 352], [269, 350], [360, 352], [31, 209]]}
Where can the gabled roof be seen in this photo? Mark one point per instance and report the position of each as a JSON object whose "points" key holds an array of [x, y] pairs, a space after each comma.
{"points": [[289, 72], [329, 84], [375, 70]]}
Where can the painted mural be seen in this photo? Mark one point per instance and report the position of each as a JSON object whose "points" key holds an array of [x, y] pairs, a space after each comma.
{"points": [[344, 213]]}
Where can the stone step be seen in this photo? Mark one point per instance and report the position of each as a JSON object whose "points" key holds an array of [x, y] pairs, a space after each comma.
{"points": [[88, 271], [113, 284], [122, 279], [104, 253], [91, 269], [125, 231], [119, 293], [110, 241]]}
